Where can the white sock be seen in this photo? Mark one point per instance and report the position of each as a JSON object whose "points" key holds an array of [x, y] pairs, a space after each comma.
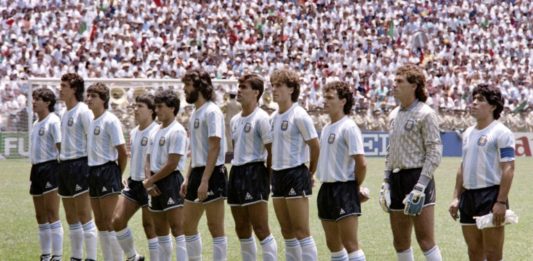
{"points": [[270, 248], [118, 254], [181, 248], [358, 255], [90, 238], [293, 251], [220, 248], [125, 239], [194, 247], [406, 255], [309, 251], [165, 248], [153, 248], [341, 255], [44, 238], [105, 245], [57, 238], [76, 240], [248, 249], [433, 254]]}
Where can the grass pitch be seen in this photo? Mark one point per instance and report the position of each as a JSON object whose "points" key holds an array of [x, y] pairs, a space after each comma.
{"points": [[19, 238]]}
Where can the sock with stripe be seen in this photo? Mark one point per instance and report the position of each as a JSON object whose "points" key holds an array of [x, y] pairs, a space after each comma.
{"points": [[44, 238], [153, 248], [270, 248], [406, 255], [91, 239], [293, 251], [57, 238], [358, 255], [339, 255], [248, 249], [181, 248], [194, 247], [433, 254], [105, 245], [118, 254], [309, 251], [125, 239], [220, 248], [165, 248], [76, 240]]}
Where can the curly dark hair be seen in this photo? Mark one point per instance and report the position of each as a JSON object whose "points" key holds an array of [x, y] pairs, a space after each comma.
{"points": [[344, 91], [46, 95], [75, 81], [493, 96], [201, 81], [414, 75], [169, 98]]}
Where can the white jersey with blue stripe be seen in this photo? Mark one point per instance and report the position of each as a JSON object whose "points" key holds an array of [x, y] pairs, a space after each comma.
{"points": [[105, 133], [45, 134], [339, 142], [169, 140], [483, 151], [139, 142], [74, 130], [205, 122], [290, 131], [250, 134]]}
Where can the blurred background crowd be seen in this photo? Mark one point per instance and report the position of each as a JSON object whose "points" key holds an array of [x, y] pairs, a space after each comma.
{"points": [[459, 43]]}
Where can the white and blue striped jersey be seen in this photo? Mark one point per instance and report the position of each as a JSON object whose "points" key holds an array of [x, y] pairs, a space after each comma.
{"points": [[250, 134], [45, 134], [139, 142], [290, 131], [105, 133], [169, 140], [74, 130], [205, 122], [483, 151], [339, 142]]}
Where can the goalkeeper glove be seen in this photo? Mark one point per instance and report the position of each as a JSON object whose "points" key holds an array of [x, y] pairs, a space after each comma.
{"points": [[384, 197], [415, 201]]}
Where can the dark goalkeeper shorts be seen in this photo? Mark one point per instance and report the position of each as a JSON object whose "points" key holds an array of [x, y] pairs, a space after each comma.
{"points": [[403, 182]]}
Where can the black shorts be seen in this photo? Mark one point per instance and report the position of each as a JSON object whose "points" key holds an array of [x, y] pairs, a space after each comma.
{"points": [[291, 183], [403, 182], [170, 197], [73, 177], [43, 177], [477, 202], [338, 200], [136, 192], [104, 180], [217, 187], [248, 184]]}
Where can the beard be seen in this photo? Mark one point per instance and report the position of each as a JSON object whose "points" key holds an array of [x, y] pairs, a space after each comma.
{"points": [[191, 97]]}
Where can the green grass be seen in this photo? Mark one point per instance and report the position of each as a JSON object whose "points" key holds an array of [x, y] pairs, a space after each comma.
{"points": [[19, 239]]}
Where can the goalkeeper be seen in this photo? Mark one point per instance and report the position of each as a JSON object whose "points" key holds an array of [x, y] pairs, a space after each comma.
{"points": [[414, 152]]}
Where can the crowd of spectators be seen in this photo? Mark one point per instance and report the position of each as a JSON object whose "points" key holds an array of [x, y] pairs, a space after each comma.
{"points": [[459, 43]]}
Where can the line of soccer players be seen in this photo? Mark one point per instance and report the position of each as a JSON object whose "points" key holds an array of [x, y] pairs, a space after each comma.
{"points": [[280, 152]]}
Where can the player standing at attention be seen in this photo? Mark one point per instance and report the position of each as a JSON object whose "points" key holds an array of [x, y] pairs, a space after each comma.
{"points": [[249, 181], [341, 169], [74, 169], [294, 142], [166, 161], [204, 187], [45, 146], [414, 152], [134, 195], [485, 175], [107, 161]]}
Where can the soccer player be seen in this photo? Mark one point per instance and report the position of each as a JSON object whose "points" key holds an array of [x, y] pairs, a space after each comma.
{"points": [[414, 152], [249, 181], [134, 195], [204, 187], [485, 175], [166, 161], [107, 161], [341, 169], [74, 169], [294, 142], [45, 146]]}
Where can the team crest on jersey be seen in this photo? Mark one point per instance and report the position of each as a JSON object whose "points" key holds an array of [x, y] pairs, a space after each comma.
{"points": [[196, 123], [409, 125], [41, 131], [482, 140], [70, 122], [97, 130], [247, 127], [284, 125], [331, 138], [144, 141], [162, 141]]}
